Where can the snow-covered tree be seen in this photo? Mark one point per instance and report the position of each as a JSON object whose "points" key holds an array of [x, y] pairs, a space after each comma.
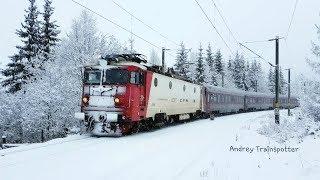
{"points": [[46, 107], [15, 74], [255, 76], [262, 84], [212, 74], [218, 63], [113, 46], [246, 80], [18, 70], [49, 31], [282, 82], [271, 80], [229, 66], [310, 96], [192, 61], [10, 117], [181, 66], [154, 58], [239, 72], [83, 44], [219, 66], [200, 67], [228, 77]]}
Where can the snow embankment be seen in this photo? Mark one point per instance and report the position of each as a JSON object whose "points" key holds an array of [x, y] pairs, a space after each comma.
{"points": [[229, 147], [294, 127]]}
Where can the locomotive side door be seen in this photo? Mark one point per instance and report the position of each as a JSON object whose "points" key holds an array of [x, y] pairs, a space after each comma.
{"points": [[137, 95], [142, 89]]}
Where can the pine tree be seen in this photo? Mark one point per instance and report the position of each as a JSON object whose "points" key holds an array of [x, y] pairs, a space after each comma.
{"points": [[238, 71], [19, 71], [210, 62], [245, 77], [13, 73], [254, 75], [200, 67], [282, 82], [192, 61], [228, 75], [219, 66], [310, 88], [218, 62], [61, 81], [49, 31], [154, 58], [181, 65], [262, 84], [229, 64], [271, 80]]}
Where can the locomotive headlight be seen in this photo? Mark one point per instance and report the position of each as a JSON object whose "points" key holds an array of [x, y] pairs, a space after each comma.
{"points": [[85, 100], [116, 100]]}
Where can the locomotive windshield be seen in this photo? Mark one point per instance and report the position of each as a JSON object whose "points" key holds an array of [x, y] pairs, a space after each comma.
{"points": [[92, 77], [116, 76]]}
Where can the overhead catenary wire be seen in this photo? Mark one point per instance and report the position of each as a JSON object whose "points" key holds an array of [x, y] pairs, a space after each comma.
{"points": [[224, 21], [119, 26], [258, 55], [291, 19], [226, 24], [211, 23], [250, 42], [150, 27]]}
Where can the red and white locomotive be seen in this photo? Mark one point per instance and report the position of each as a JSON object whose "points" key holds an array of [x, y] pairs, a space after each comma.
{"points": [[122, 95]]}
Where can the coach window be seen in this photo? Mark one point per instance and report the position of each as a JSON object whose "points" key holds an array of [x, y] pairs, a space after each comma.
{"points": [[170, 85], [155, 82], [184, 87]]}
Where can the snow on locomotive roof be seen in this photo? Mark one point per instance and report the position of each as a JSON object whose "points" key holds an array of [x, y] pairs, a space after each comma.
{"points": [[138, 58]]}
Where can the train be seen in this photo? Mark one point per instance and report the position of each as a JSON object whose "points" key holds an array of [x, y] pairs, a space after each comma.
{"points": [[122, 94]]}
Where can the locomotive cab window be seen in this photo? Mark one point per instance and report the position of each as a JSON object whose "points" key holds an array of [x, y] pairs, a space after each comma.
{"points": [[116, 76], [141, 78], [92, 77], [137, 78]]}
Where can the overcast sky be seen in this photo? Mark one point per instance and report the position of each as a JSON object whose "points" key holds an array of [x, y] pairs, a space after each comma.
{"points": [[182, 20]]}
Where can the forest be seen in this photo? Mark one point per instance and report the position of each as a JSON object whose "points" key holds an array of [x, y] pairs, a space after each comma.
{"points": [[41, 86]]}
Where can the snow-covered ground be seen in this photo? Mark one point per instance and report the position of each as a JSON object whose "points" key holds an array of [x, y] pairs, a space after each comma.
{"points": [[201, 149]]}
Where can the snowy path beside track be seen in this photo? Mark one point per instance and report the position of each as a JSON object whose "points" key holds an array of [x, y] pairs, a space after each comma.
{"points": [[195, 150]]}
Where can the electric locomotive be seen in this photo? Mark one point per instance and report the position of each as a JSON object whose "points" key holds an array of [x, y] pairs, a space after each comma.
{"points": [[122, 94]]}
